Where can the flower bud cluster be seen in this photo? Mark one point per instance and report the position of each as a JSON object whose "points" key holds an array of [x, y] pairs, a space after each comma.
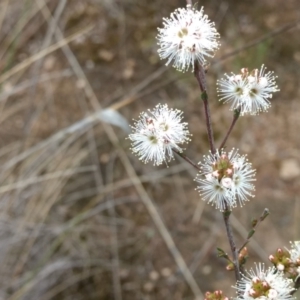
{"points": [[282, 260], [216, 295], [288, 261], [157, 133], [248, 92]]}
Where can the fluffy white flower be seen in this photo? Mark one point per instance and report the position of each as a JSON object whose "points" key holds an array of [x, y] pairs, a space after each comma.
{"points": [[186, 37], [157, 133], [249, 92], [232, 90], [295, 257], [295, 252], [264, 284], [225, 179]]}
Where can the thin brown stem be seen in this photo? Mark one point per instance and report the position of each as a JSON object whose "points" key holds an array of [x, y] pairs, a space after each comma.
{"points": [[187, 159], [226, 215], [200, 76], [236, 115]]}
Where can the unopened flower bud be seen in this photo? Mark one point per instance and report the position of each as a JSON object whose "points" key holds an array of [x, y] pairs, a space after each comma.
{"points": [[229, 171], [215, 174], [252, 293], [255, 280], [230, 267], [271, 258], [265, 284]]}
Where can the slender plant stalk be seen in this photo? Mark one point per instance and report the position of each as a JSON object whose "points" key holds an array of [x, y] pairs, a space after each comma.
{"points": [[200, 76], [201, 79], [236, 115], [187, 159], [226, 215]]}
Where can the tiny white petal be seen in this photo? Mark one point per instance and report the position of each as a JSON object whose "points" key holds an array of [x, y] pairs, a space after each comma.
{"points": [[263, 82], [251, 79], [227, 182], [209, 177], [280, 267]]}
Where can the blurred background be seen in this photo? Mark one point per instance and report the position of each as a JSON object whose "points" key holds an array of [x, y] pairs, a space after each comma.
{"points": [[75, 202]]}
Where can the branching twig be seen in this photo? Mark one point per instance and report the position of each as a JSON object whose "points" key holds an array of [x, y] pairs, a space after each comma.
{"points": [[255, 224], [236, 115], [226, 215], [200, 76], [186, 159]]}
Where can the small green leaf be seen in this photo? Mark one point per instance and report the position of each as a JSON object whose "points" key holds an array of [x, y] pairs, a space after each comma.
{"points": [[251, 232], [221, 253], [204, 96]]}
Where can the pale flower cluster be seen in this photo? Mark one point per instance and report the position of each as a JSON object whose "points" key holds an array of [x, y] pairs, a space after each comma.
{"points": [[295, 256], [261, 284], [187, 37], [248, 92], [157, 133], [225, 179]]}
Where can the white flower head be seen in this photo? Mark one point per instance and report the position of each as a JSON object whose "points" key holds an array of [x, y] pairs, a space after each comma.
{"points": [[186, 37], [264, 284], [248, 91], [295, 258], [225, 179], [157, 132], [295, 252], [232, 90]]}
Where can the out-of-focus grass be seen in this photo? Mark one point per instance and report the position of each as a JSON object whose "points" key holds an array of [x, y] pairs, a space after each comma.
{"points": [[72, 224]]}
